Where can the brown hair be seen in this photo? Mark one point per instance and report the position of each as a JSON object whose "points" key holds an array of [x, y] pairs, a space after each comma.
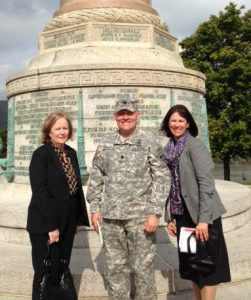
{"points": [[50, 121], [184, 113]]}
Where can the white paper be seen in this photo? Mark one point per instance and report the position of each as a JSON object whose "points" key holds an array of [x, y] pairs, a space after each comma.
{"points": [[185, 232], [100, 234]]}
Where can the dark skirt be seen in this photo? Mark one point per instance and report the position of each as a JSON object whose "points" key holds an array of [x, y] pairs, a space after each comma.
{"points": [[221, 271]]}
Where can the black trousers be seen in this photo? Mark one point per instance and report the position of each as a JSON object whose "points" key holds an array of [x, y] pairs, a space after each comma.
{"points": [[58, 251]]}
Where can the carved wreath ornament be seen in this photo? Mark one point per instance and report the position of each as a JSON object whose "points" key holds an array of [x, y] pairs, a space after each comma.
{"points": [[111, 15]]}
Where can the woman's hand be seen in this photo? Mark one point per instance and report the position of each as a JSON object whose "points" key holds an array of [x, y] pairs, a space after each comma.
{"points": [[171, 228], [201, 231], [95, 219], [53, 236]]}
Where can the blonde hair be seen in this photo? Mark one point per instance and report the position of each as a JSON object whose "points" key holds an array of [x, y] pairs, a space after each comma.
{"points": [[50, 121]]}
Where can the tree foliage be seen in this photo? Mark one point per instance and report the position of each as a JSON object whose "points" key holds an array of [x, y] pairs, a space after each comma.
{"points": [[221, 48]]}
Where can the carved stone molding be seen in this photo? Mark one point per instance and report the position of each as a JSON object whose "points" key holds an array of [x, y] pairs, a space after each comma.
{"points": [[112, 15], [189, 80]]}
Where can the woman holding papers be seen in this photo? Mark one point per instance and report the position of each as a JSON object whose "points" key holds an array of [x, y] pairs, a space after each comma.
{"points": [[193, 200]]}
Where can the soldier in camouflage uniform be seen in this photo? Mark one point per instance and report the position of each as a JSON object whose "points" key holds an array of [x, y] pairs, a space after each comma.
{"points": [[127, 190]]}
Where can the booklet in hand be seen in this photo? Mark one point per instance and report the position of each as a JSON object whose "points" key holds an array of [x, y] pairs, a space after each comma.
{"points": [[100, 234], [187, 240]]}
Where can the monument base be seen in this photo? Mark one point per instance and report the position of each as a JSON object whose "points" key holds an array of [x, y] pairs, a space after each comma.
{"points": [[87, 262]]}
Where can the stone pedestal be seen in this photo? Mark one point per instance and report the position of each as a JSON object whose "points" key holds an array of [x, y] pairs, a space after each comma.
{"points": [[90, 57]]}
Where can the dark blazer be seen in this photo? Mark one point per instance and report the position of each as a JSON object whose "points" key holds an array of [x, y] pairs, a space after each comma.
{"points": [[197, 183], [48, 207]]}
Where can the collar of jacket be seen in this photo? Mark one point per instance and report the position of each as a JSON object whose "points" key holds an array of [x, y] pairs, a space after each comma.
{"points": [[55, 160], [133, 139]]}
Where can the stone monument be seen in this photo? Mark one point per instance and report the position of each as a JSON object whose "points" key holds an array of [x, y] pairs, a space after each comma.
{"points": [[91, 53]]}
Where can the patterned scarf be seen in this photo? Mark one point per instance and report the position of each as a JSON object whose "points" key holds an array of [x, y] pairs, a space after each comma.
{"points": [[172, 152], [69, 171]]}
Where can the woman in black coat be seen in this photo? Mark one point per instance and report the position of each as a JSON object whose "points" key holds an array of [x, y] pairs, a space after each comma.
{"points": [[57, 205]]}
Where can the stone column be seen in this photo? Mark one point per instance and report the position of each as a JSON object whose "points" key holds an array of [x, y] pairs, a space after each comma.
{"points": [[73, 5]]}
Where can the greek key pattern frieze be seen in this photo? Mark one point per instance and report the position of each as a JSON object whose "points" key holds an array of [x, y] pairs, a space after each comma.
{"points": [[92, 78]]}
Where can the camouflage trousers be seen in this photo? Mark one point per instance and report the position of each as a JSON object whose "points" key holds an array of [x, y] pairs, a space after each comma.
{"points": [[129, 255]]}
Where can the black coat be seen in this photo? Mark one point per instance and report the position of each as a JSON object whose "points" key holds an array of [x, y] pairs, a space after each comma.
{"points": [[49, 203]]}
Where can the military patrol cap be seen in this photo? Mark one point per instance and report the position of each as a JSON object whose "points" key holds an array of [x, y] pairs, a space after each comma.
{"points": [[127, 104]]}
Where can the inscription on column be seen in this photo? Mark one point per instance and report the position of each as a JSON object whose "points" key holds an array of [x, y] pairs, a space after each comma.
{"points": [[164, 41], [121, 34], [61, 39], [31, 110], [101, 103]]}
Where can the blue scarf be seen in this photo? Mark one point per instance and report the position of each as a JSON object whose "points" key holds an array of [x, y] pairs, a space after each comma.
{"points": [[172, 152]]}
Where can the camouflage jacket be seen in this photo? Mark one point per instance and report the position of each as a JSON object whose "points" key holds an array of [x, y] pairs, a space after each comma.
{"points": [[128, 179]]}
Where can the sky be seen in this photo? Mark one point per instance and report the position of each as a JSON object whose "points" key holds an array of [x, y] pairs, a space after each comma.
{"points": [[21, 22]]}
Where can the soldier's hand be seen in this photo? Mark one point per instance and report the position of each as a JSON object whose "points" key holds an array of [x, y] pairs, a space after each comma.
{"points": [[151, 223], [95, 219]]}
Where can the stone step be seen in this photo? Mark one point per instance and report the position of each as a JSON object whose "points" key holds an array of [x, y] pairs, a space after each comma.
{"points": [[88, 260], [238, 290], [15, 199], [88, 267]]}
